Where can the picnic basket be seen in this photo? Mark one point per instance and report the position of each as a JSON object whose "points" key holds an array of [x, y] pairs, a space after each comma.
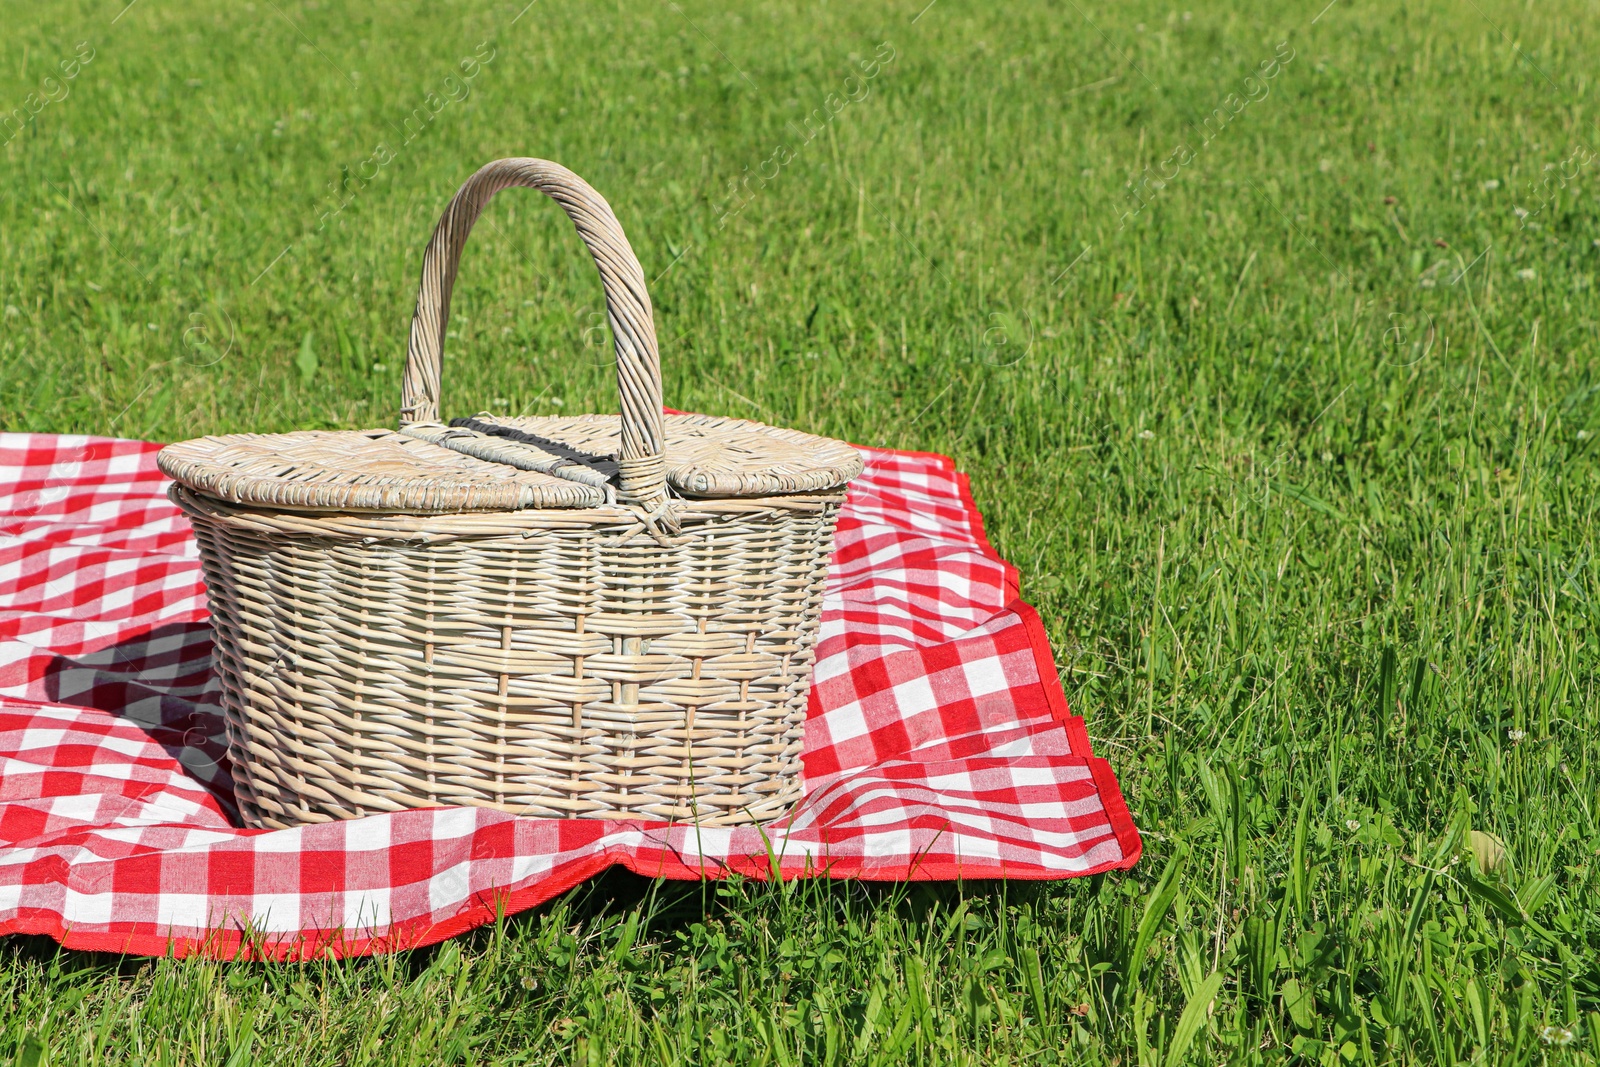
{"points": [[591, 616]]}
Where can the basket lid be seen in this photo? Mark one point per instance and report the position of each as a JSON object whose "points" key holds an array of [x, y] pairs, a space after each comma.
{"points": [[706, 455], [361, 470], [484, 463]]}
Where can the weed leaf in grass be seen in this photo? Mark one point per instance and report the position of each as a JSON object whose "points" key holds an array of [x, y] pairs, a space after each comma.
{"points": [[1300, 1003], [1497, 898], [1309, 499], [1193, 1018], [1155, 910], [1448, 845], [1487, 850], [306, 361]]}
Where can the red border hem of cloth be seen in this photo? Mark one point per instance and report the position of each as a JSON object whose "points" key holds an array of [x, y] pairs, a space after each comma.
{"points": [[231, 944]]}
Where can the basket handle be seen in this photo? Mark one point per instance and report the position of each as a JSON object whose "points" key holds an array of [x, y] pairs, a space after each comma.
{"points": [[641, 475]]}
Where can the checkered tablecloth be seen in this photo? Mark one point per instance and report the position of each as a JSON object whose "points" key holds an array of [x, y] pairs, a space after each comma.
{"points": [[939, 744]]}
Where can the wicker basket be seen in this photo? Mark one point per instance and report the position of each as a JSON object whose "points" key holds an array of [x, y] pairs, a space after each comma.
{"points": [[588, 616]]}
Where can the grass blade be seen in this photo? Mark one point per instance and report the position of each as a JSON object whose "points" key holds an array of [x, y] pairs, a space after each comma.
{"points": [[1193, 1018]]}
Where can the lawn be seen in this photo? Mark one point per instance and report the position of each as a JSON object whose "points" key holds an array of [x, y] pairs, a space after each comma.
{"points": [[1268, 335]]}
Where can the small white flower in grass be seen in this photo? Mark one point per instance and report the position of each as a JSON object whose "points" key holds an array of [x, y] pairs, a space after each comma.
{"points": [[378, 368], [1527, 274], [1145, 435], [1516, 736], [1559, 1036], [1352, 824], [151, 326], [1491, 185], [557, 401], [1583, 435], [500, 402]]}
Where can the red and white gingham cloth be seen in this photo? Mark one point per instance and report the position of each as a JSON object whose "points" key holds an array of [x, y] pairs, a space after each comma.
{"points": [[939, 744]]}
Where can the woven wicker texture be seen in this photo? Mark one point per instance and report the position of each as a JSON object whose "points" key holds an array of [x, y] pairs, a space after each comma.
{"points": [[633, 331], [485, 463], [569, 638], [368, 470], [706, 456], [585, 671]]}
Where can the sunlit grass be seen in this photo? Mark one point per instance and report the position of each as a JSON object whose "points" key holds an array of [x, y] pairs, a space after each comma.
{"points": [[1296, 458]]}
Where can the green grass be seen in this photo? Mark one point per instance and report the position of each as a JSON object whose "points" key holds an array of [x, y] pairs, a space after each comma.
{"points": [[1309, 512]]}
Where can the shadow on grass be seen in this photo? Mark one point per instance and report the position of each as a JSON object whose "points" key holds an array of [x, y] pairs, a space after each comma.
{"points": [[668, 911]]}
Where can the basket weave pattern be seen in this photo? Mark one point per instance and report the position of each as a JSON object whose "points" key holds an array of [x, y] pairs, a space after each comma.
{"points": [[645, 658], [577, 672]]}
